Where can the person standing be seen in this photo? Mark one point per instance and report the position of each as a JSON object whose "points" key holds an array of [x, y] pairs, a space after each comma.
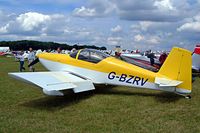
{"points": [[59, 50], [151, 56], [162, 58], [21, 61], [31, 58]]}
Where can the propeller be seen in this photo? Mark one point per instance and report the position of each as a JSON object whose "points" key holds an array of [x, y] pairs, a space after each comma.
{"points": [[33, 62]]}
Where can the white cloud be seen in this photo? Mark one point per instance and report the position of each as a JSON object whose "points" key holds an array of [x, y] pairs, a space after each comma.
{"points": [[4, 29], [34, 23], [147, 39], [84, 33], [95, 9], [84, 12], [142, 25], [116, 29], [31, 20], [51, 27], [27, 22], [152, 10], [138, 38], [164, 5], [153, 40], [114, 40], [192, 26], [5, 17]]}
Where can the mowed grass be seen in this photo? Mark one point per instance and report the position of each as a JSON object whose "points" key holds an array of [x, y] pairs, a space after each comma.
{"points": [[24, 108]]}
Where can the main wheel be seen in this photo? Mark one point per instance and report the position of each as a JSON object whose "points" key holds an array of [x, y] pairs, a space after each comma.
{"points": [[188, 97]]}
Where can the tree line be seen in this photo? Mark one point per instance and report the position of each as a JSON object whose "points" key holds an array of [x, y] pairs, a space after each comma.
{"points": [[26, 44]]}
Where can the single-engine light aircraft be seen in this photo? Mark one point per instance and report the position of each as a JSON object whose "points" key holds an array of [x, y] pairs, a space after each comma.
{"points": [[82, 69]]}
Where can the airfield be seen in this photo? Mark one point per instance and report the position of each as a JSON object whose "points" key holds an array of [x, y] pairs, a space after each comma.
{"points": [[23, 108]]}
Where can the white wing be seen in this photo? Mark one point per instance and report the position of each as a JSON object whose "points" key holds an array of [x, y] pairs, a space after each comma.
{"points": [[53, 82]]}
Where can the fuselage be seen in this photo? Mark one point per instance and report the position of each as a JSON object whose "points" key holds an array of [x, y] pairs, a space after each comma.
{"points": [[110, 71]]}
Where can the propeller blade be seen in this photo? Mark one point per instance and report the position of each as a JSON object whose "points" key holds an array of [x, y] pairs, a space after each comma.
{"points": [[34, 62]]}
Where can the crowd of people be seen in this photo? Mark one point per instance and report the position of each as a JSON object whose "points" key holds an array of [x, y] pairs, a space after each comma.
{"points": [[30, 55]]}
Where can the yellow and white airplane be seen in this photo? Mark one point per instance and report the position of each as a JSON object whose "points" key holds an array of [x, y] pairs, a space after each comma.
{"points": [[83, 69]]}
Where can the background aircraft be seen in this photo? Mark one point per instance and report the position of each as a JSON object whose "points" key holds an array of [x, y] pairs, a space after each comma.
{"points": [[141, 61], [144, 62]]}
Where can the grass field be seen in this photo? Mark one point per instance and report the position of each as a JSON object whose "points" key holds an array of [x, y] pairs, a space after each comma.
{"points": [[24, 108]]}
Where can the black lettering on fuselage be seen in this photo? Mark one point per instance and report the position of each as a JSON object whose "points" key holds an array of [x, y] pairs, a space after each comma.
{"points": [[111, 75], [129, 80], [143, 82], [122, 78], [137, 79]]}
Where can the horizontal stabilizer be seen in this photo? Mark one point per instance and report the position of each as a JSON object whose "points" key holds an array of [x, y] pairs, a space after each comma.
{"points": [[164, 82]]}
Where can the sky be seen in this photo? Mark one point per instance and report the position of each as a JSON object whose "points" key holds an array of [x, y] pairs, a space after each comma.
{"points": [[132, 24]]}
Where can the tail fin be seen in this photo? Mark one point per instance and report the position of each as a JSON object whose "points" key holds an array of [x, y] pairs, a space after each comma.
{"points": [[178, 67]]}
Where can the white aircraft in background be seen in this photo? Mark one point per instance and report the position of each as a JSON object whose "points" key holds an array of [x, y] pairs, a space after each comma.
{"points": [[141, 61]]}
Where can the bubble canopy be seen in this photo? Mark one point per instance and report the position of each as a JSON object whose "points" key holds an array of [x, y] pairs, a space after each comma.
{"points": [[89, 55]]}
